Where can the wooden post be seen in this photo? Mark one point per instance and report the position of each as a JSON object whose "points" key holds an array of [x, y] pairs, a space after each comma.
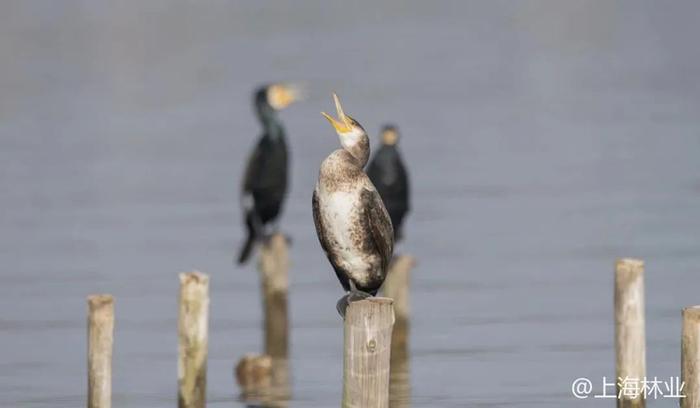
{"points": [[397, 287], [273, 266], [193, 345], [690, 358], [265, 378], [100, 342], [630, 349], [368, 327]]}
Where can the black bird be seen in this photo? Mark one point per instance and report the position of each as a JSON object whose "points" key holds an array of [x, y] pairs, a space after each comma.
{"points": [[351, 222], [388, 173], [265, 180]]}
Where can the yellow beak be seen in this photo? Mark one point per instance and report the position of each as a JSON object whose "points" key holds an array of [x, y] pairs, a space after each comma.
{"points": [[282, 95], [343, 124]]}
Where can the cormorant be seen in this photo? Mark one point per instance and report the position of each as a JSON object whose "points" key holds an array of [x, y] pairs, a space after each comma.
{"points": [[388, 174], [265, 180], [351, 221]]}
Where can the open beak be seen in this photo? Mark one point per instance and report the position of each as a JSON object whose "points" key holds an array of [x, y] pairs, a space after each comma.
{"points": [[342, 124]]}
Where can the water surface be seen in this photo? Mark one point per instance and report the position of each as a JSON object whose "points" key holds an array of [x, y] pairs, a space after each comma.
{"points": [[544, 139]]}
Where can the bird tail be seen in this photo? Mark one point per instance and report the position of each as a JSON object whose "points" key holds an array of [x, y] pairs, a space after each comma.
{"points": [[247, 248]]}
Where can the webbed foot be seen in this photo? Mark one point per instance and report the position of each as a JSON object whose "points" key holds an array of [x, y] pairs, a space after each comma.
{"points": [[352, 296]]}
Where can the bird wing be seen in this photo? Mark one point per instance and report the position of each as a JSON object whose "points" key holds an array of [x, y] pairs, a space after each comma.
{"points": [[382, 169], [318, 222], [252, 170], [251, 178], [379, 225]]}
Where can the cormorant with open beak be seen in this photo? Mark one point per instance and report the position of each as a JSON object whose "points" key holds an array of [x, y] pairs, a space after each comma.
{"points": [[265, 180], [351, 221], [389, 176]]}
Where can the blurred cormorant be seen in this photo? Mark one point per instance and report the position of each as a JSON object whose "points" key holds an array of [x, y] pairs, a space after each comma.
{"points": [[265, 180], [388, 173]]}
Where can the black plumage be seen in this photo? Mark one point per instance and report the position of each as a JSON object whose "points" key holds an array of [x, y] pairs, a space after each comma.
{"points": [[266, 176], [389, 176]]}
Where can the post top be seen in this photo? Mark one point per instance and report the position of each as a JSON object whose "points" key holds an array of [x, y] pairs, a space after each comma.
{"points": [[379, 300], [375, 306], [371, 303], [630, 263], [691, 311], [98, 300], [194, 277], [277, 239]]}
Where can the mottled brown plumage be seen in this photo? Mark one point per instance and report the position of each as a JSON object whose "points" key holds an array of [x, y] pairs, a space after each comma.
{"points": [[352, 224]]}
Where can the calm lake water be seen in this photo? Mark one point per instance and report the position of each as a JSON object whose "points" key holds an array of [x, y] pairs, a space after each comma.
{"points": [[544, 140]]}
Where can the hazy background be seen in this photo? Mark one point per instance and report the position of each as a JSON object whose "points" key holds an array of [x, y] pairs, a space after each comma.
{"points": [[544, 139]]}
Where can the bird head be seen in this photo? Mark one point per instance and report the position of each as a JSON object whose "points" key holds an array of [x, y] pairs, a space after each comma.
{"points": [[390, 135], [352, 135], [281, 95]]}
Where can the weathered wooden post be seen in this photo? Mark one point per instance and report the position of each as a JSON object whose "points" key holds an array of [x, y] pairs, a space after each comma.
{"points": [[368, 327], [397, 287], [193, 345], [100, 342], [630, 349], [690, 358]]}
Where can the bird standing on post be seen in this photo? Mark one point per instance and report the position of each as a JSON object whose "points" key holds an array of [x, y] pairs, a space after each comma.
{"points": [[265, 179], [389, 176], [352, 224]]}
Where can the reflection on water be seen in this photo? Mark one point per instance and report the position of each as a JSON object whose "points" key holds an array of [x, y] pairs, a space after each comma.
{"points": [[264, 381], [400, 380], [397, 286]]}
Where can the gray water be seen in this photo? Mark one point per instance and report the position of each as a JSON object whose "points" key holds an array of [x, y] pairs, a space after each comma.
{"points": [[544, 139]]}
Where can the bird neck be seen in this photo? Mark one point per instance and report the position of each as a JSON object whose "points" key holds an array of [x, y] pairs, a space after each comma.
{"points": [[387, 148], [269, 121], [359, 151]]}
